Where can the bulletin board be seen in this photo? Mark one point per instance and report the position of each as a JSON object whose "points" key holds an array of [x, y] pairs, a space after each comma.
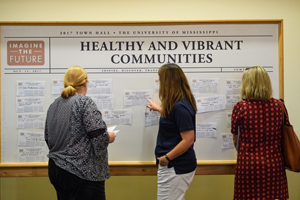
{"points": [[129, 54]]}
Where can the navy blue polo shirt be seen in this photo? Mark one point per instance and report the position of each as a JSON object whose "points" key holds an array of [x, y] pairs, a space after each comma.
{"points": [[181, 119]]}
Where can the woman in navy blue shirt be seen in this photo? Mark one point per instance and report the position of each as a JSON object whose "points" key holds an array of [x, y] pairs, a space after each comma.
{"points": [[176, 135]]}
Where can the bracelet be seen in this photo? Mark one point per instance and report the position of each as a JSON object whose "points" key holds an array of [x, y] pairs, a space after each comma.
{"points": [[167, 157]]}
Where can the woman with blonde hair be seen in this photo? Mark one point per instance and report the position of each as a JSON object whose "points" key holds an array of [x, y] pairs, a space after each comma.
{"points": [[77, 139], [176, 136], [260, 171]]}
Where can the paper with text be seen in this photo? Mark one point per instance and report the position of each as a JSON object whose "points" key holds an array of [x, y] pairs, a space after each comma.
{"points": [[233, 86], [31, 139], [57, 86], [209, 104], [206, 130], [30, 120], [228, 119], [32, 154], [99, 86], [121, 116], [137, 97], [30, 88], [103, 101], [151, 118], [30, 104], [207, 85], [231, 100], [227, 141], [156, 85]]}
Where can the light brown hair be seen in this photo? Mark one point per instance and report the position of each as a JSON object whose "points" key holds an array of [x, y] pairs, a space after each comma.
{"points": [[173, 88], [74, 79], [256, 84]]}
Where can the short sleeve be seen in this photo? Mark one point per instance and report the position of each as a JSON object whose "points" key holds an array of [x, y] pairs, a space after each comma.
{"points": [[184, 118], [92, 117], [235, 118]]}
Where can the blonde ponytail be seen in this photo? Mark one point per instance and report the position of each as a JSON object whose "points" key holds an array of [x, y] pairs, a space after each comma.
{"points": [[74, 79], [67, 92]]}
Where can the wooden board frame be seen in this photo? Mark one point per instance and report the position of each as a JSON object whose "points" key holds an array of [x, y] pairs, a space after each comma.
{"points": [[136, 168]]}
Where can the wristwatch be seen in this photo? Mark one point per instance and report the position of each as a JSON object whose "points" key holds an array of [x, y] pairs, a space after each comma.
{"points": [[167, 157]]}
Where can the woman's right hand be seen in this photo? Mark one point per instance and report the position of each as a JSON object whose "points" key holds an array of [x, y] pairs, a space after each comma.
{"points": [[153, 106], [112, 136]]}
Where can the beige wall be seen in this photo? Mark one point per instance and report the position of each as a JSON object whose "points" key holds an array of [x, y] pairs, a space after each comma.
{"points": [[144, 188]]}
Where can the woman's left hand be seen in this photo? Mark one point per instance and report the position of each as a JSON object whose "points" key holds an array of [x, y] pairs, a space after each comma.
{"points": [[163, 161]]}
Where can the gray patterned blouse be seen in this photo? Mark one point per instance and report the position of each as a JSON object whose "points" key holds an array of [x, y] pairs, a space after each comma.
{"points": [[77, 137]]}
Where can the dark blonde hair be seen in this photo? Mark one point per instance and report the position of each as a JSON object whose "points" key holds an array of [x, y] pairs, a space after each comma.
{"points": [[256, 84], [75, 78], [173, 88]]}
